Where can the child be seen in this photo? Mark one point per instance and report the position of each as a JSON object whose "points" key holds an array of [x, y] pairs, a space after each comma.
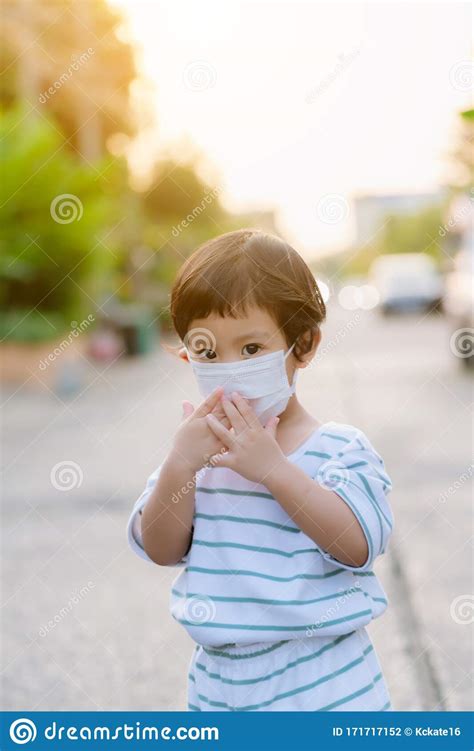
{"points": [[275, 519]]}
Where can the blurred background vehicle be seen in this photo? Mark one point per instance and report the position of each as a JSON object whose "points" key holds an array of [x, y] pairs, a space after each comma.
{"points": [[407, 282]]}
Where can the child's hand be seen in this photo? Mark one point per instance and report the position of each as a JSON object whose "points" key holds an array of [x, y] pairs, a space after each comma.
{"points": [[195, 442], [252, 450]]}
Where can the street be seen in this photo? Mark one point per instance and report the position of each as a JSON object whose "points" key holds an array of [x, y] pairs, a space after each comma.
{"points": [[86, 623]]}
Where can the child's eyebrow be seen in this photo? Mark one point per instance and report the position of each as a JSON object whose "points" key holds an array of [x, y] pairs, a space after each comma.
{"points": [[253, 334]]}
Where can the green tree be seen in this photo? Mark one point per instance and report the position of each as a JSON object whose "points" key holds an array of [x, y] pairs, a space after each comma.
{"points": [[56, 239], [71, 70], [177, 195], [67, 59], [416, 233], [176, 212]]}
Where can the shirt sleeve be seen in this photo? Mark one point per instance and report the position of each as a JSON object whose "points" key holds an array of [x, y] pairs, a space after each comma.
{"points": [[134, 526], [357, 474]]}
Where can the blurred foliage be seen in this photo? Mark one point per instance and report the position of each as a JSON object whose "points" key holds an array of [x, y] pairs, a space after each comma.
{"points": [[463, 155], [177, 211], [417, 233], [177, 189], [49, 265], [75, 48], [67, 94], [26, 325]]}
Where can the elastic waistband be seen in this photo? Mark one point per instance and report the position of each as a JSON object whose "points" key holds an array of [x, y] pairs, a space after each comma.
{"points": [[226, 652], [242, 651]]}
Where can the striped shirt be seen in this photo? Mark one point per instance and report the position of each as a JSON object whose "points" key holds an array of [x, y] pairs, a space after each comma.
{"points": [[252, 575]]}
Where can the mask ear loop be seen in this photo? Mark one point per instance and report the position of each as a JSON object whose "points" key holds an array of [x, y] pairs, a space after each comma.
{"points": [[288, 352], [293, 382]]}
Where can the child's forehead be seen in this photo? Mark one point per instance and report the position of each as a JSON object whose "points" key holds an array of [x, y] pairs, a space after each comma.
{"points": [[256, 321]]}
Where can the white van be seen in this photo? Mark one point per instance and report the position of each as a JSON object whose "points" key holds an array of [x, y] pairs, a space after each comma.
{"points": [[407, 281]]}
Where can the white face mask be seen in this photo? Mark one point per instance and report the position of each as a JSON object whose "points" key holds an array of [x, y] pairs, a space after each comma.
{"points": [[262, 380]]}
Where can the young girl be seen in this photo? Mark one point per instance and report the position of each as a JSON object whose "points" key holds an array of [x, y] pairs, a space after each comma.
{"points": [[275, 519]]}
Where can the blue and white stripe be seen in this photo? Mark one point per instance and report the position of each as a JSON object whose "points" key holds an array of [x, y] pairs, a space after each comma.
{"points": [[309, 674], [255, 575]]}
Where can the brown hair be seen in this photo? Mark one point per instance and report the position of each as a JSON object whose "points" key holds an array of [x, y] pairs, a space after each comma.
{"points": [[248, 267]]}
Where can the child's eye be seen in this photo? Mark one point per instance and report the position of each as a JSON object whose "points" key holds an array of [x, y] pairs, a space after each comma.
{"points": [[252, 349], [208, 354]]}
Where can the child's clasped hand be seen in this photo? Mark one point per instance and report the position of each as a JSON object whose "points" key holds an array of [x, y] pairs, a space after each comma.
{"points": [[229, 434], [194, 443], [249, 448]]}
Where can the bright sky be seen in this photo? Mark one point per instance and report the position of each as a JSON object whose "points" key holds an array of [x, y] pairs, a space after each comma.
{"points": [[291, 101]]}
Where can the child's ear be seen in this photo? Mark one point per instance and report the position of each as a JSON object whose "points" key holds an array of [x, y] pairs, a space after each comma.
{"points": [[183, 355], [314, 340]]}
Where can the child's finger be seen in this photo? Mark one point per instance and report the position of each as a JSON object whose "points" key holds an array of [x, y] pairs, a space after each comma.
{"points": [[246, 410], [233, 414], [188, 409], [218, 412], [209, 403], [218, 429], [271, 426]]}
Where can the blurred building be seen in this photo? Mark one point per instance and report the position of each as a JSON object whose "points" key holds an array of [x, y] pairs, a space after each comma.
{"points": [[371, 210]]}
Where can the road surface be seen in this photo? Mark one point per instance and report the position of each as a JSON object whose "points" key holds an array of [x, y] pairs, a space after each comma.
{"points": [[86, 624]]}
